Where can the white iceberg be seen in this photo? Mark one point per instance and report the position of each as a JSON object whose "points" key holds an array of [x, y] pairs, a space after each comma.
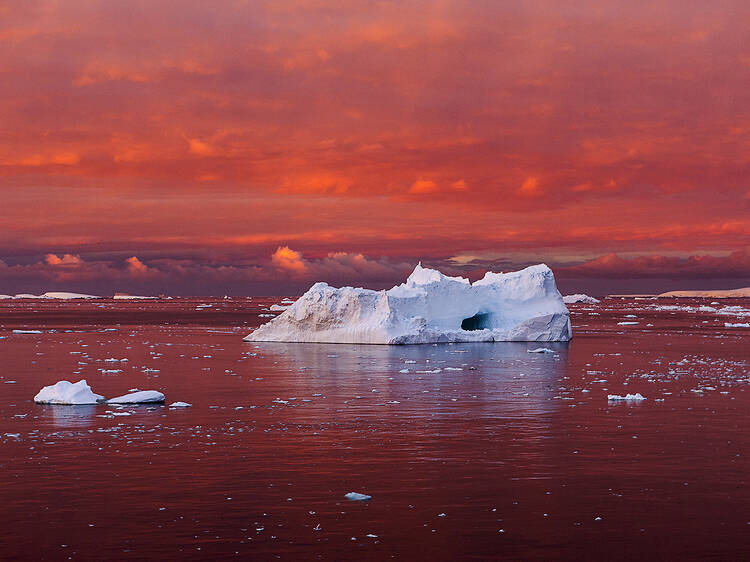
{"points": [[69, 393], [140, 397], [179, 405], [27, 331], [429, 308], [357, 497], [278, 307], [579, 298], [540, 350], [627, 398], [66, 296]]}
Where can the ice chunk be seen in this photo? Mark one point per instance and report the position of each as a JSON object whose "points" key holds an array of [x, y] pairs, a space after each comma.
{"points": [[429, 308], [356, 496], [140, 397], [540, 350], [737, 325], [579, 298], [65, 392], [27, 331], [628, 397], [278, 307], [179, 405]]}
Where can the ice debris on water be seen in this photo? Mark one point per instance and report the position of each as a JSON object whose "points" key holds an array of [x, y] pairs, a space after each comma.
{"points": [[628, 397], [540, 350], [179, 405], [356, 496]]}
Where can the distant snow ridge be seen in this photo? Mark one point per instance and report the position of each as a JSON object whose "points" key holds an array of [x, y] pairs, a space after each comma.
{"points": [[579, 298], [429, 308]]}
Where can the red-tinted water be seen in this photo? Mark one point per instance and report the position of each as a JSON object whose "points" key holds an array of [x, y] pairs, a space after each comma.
{"points": [[515, 455]]}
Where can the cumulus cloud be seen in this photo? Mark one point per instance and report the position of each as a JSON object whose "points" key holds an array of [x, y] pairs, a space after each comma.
{"points": [[287, 259], [66, 259], [136, 266]]}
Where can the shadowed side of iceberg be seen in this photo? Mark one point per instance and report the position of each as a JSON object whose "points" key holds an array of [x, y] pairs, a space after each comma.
{"points": [[429, 308]]}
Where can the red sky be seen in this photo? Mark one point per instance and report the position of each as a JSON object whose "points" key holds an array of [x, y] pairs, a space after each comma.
{"points": [[252, 147]]}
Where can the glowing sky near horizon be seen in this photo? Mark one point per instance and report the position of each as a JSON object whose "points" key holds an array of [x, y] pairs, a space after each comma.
{"points": [[149, 144]]}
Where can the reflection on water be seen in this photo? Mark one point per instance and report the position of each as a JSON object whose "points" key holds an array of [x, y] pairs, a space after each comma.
{"points": [[470, 451]]}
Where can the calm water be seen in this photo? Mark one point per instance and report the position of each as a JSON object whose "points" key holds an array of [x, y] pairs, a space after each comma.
{"points": [[479, 451]]}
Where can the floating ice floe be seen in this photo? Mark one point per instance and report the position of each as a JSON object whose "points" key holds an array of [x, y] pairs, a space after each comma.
{"points": [[278, 307], [65, 392], [737, 325], [27, 331], [429, 308], [179, 405], [579, 298], [540, 350], [356, 496], [140, 397], [627, 398]]}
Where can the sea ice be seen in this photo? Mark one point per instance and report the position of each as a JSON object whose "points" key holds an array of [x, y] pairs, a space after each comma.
{"points": [[65, 392], [27, 331], [540, 350], [140, 397], [429, 308], [356, 496], [179, 405]]}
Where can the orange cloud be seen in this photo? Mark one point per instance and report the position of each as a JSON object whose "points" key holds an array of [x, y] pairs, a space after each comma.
{"points": [[136, 266], [287, 259], [66, 259], [423, 186], [530, 187]]}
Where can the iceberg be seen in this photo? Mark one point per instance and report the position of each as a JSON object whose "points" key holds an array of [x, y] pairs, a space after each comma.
{"points": [[65, 392], [66, 296], [711, 294], [140, 397], [428, 308], [357, 497], [579, 298], [637, 397]]}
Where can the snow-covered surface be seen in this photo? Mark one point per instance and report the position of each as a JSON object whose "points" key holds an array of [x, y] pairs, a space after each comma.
{"points": [[712, 294], [356, 496], [140, 397], [627, 398], [579, 298], [6, 296], [429, 308], [65, 392]]}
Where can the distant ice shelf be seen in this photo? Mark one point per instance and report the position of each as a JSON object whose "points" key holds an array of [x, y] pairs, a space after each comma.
{"points": [[428, 308]]}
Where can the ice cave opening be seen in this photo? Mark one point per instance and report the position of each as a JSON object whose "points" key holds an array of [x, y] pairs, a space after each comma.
{"points": [[480, 321]]}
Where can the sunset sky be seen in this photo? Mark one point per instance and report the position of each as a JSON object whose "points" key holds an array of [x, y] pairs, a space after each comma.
{"points": [[250, 147]]}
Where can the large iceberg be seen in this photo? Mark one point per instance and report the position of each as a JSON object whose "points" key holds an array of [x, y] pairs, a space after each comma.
{"points": [[429, 308], [66, 392]]}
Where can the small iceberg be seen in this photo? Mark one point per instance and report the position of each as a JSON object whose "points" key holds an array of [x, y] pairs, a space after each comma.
{"points": [[180, 405], [140, 397], [68, 393], [580, 298], [357, 497], [627, 398], [27, 331], [540, 350]]}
